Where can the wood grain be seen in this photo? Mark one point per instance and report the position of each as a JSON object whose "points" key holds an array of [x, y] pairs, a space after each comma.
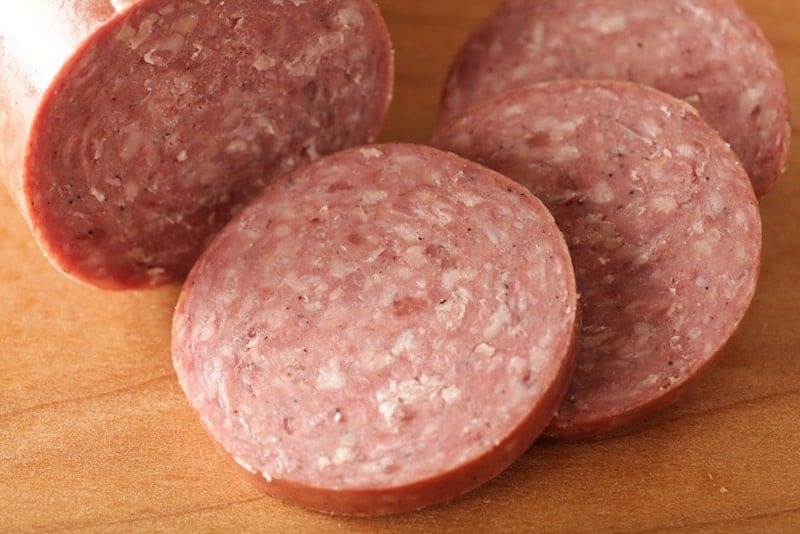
{"points": [[96, 436]]}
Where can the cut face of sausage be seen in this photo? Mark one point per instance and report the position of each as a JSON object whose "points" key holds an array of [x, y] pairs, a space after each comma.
{"points": [[706, 52], [379, 331], [166, 118], [662, 225]]}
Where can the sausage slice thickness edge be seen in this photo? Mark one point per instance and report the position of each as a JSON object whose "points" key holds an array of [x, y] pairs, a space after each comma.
{"points": [[130, 138], [662, 225], [381, 330]]}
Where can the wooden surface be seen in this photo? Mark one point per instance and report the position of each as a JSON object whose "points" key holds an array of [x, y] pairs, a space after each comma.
{"points": [[95, 434]]}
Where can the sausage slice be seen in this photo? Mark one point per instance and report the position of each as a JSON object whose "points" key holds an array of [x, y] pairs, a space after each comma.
{"points": [[130, 138], [706, 52], [381, 330], [662, 225]]}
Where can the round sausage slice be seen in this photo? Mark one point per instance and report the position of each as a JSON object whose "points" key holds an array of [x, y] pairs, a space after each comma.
{"points": [[662, 224], [379, 331], [130, 138], [707, 52]]}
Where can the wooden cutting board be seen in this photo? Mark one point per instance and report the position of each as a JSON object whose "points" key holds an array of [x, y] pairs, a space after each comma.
{"points": [[95, 434]]}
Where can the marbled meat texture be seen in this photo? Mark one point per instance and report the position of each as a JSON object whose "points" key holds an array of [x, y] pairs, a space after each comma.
{"points": [[381, 330], [662, 225], [173, 114], [707, 52]]}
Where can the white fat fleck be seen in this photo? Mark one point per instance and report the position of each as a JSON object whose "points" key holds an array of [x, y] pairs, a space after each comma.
{"points": [[387, 409], [267, 477], [340, 269], [516, 366], [536, 41], [186, 24], [198, 48], [207, 328], [686, 151], [311, 151], [372, 153], [441, 214], [515, 110], [406, 232], [496, 234], [602, 193], [741, 219], [150, 59], [692, 99], [565, 154], [350, 17], [413, 391], [98, 148], [237, 146], [97, 194], [499, 320], [342, 455], [374, 255], [650, 128], [264, 62], [749, 100], [239, 18], [664, 204], [651, 380], [131, 190], [136, 37], [612, 24], [451, 312], [450, 394], [405, 342], [717, 202], [133, 142], [182, 156], [323, 462], [408, 392], [330, 376], [557, 129], [373, 197], [468, 199], [245, 465], [283, 231], [214, 382], [453, 277], [484, 349], [700, 282]]}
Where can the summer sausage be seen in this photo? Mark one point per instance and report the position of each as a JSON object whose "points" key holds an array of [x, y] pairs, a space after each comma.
{"points": [[130, 138], [707, 52], [381, 330], [662, 225]]}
